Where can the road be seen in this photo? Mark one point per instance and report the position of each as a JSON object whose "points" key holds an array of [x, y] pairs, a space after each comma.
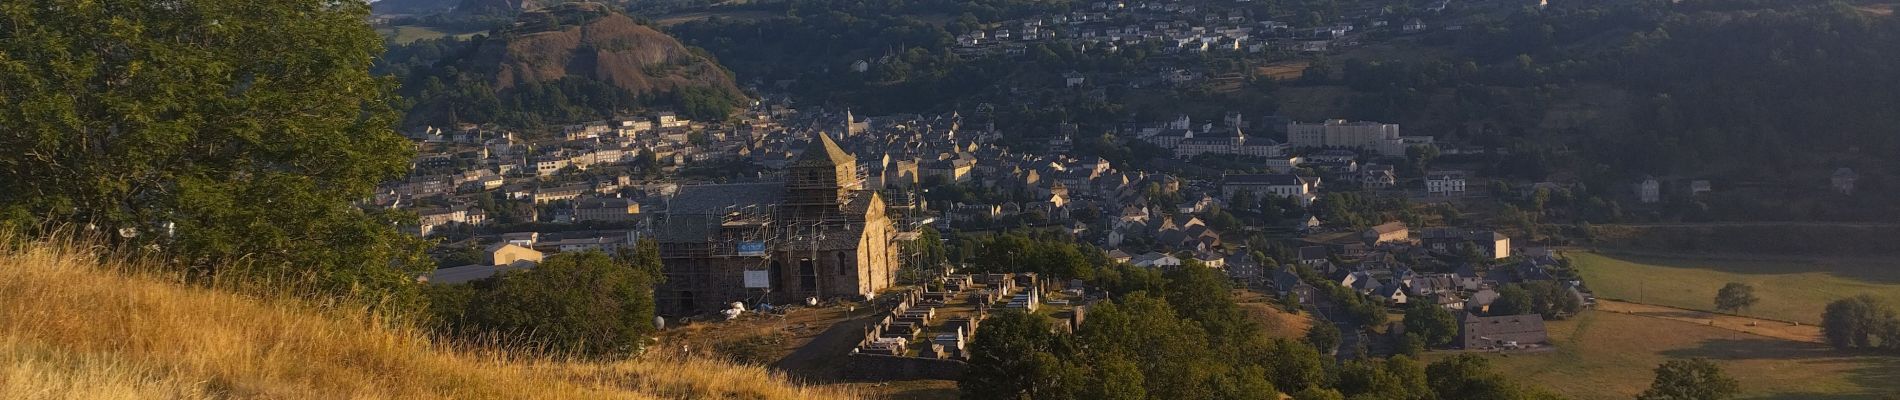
{"points": [[1351, 333]]}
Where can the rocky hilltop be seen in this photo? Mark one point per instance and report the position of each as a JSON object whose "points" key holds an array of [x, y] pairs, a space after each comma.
{"points": [[589, 41]]}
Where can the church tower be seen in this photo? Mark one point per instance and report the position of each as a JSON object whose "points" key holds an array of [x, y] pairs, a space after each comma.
{"points": [[821, 179]]}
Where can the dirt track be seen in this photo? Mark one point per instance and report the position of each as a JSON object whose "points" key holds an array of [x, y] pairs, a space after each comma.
{"points": [[1754, 326]]}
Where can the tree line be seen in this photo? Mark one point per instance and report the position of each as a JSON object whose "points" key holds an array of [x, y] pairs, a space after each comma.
{"points": [[1184, 337]]}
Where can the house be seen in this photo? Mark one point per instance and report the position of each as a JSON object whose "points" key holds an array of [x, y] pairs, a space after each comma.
{"points": [[611, 209], [1445, 183], [1415, 25], [1073, 79], [1843, 180], [1467, 278], [1284, 164], [1311, 255], [1480, 301], [1449, 241], [1501, 332], [1155, 260], [1389, 232], [469, 273], [523, 239], [1649, 190], [511, 254], [1392, 294], [1377, 176], [1242, 269], [1298, 188], [554, 194], [1430, 284], [1363, 282], [1700, 186]]}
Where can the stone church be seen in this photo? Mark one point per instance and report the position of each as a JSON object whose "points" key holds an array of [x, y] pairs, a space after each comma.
{"points": [[818, 234]]}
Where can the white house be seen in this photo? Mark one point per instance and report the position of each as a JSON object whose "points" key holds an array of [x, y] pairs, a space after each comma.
{"points": [[1445, 182]]}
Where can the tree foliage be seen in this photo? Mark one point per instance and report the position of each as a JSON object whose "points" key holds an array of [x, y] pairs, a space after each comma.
{"points": [[1861, 322], [1018, 356], [1693, 379], [1433, 325], [1735, 297], [163, 123], [1469, 376], [584, 304], [1512, 300]]}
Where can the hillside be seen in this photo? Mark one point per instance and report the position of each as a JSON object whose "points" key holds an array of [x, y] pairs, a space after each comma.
{"points": [[568, 63], [411, 7], [596, 44], [74, 326]]}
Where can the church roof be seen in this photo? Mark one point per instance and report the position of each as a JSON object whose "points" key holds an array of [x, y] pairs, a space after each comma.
{"points": [[716, 199], [824, 151]]}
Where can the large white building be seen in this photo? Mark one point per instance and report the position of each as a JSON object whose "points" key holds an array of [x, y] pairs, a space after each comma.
{"points": [[1231, 143], [1300, 189], [1377, 137]]}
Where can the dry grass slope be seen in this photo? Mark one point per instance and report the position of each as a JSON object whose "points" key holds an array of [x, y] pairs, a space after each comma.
{"points": [[76, 325]]}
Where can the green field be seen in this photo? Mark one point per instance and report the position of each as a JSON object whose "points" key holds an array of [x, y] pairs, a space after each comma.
{"points": [[1602, 355], [1790, 290], [409, 33]]}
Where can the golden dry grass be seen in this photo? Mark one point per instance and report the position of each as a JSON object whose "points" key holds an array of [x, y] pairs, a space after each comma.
{"points": [[77, 325], [1274, 321], [1284, 70]]}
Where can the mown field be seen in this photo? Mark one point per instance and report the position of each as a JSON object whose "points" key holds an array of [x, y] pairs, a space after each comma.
{"points": [[1603, 355], [1791, 289]]}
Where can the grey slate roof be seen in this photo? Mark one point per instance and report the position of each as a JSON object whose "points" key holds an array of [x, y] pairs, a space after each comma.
{"points": [[715, 199], [695, 212], [470, 273]]}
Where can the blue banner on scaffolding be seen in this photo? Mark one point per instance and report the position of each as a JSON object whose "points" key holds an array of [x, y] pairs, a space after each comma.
{"points": [[751, 248]]}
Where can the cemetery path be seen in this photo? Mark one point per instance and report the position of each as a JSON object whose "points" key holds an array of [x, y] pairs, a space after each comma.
{"points": [[822, 358]]}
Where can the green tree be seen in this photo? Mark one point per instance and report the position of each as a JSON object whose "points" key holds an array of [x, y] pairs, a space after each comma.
{"points": [[1469, 376], [1433, 324], [1552, 300], [579, 303], [164, 123], [1512, 300], [1173, 353], [1735, 297], [645, 258], [1410, 345], [1409, 377], [1011, 358], [1693, 379], [1318, 393], [1859, 321], [1294, 366], [1115, 378], [1324, 337], [1202, 294]]}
